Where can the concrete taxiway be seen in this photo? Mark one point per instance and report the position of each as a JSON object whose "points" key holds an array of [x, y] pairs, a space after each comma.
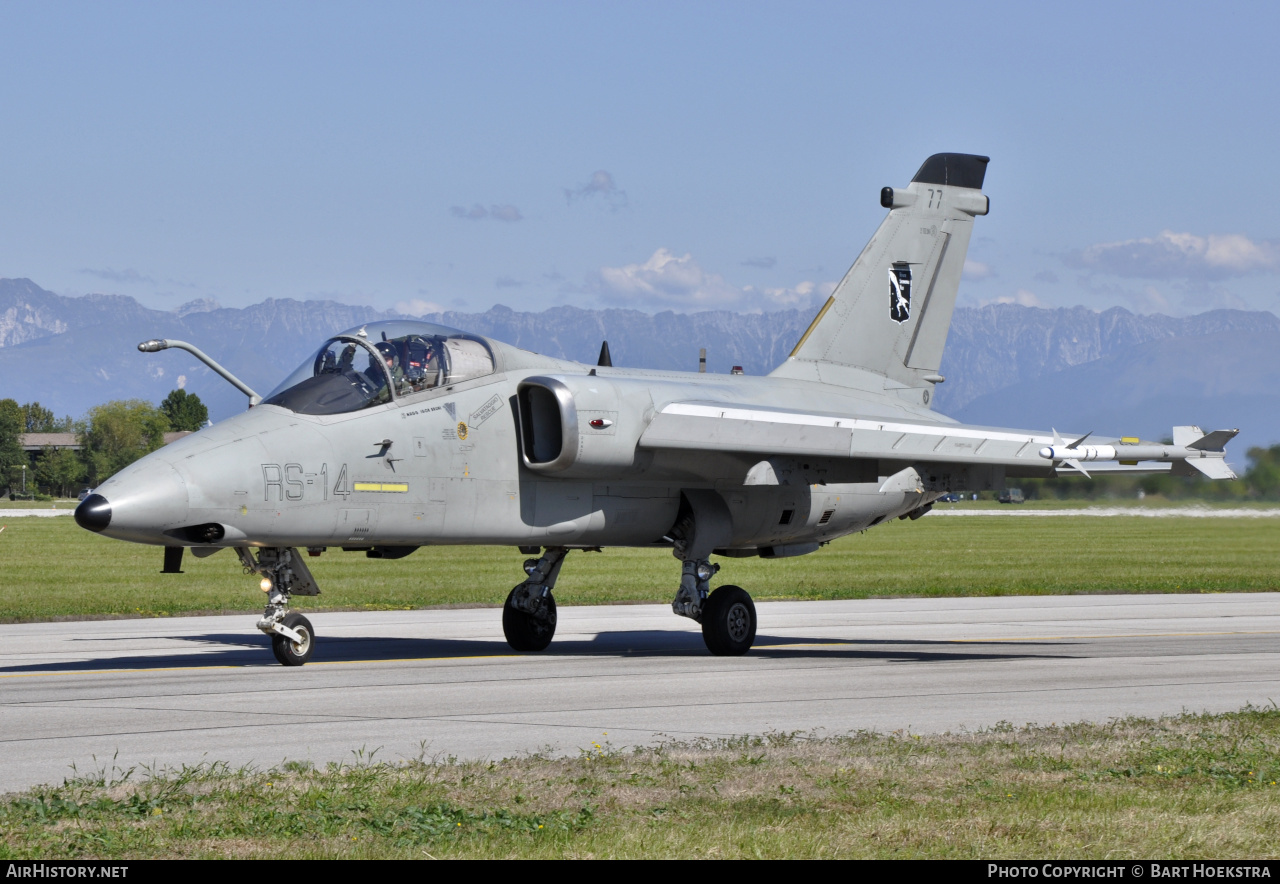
{"points": [[168, 692]]}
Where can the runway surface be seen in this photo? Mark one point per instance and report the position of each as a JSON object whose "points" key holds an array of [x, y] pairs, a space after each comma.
{"points": [[167, 692]]}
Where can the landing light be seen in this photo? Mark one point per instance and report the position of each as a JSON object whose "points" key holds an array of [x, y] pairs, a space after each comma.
{"points": [[266, 584]]}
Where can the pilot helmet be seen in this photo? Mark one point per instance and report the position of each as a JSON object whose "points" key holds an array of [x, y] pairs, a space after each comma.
{"points": [[389, 355]]}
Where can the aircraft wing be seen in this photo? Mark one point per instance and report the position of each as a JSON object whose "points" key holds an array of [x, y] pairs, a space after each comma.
{"points": [[764, 432]]}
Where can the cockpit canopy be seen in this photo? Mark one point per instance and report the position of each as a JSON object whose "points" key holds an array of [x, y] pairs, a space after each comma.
{"points": [[381, 362]]}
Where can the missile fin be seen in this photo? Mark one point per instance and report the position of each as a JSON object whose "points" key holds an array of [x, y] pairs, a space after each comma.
{"points": [[1213, 467], [1184, 436], [1075, 465], [1215, 441], [1076, 444]]}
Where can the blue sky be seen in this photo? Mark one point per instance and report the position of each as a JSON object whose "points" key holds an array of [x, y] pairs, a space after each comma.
{"points": [[679, 156]]}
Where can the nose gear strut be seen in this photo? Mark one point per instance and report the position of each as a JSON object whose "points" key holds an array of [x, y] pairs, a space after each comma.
{"points": [[284, 573]]}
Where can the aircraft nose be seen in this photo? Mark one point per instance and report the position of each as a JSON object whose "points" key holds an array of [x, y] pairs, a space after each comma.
{"points": [[139, 503], [93, 513]]}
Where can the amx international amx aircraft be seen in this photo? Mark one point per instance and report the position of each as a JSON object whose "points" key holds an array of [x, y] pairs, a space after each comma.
{"points": [[398, 435]]}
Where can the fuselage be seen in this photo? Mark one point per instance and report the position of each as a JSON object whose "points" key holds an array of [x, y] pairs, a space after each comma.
{"points": [[453, 465]]}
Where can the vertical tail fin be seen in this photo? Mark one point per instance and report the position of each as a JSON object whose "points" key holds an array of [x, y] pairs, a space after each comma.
{"points": [[886, 324]]}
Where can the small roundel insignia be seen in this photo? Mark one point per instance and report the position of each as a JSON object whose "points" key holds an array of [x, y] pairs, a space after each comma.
{"points": [[462, 429]]}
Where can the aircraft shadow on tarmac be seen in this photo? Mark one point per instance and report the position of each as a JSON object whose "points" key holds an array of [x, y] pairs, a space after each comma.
{"points": [[253, 650]]}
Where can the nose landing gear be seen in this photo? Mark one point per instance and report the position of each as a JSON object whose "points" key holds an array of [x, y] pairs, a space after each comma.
{"points": [[292, 651], [284, 573]]}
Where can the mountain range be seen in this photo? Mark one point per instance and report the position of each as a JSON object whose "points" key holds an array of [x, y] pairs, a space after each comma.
{"points": [[1005, 364]]}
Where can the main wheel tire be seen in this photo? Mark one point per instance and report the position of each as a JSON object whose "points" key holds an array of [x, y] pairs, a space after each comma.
{"points": [[291, 653], [526, 632], [729, 622]]}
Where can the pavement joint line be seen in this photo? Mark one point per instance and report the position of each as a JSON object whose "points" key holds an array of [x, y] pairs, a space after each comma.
{"points": [[1040, 638], [448, 683], [483, 718], [541, 677], [243, 665], [673, 652]]}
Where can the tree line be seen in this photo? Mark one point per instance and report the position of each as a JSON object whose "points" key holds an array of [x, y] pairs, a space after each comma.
{"points": [[111, 436], [115, 434]]}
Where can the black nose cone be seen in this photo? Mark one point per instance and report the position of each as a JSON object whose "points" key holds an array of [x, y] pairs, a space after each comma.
{"points": [[93, 513]]}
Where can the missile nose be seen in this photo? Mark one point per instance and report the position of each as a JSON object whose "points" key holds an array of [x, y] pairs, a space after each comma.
{"points": [[1046, 453], [93, 513]]}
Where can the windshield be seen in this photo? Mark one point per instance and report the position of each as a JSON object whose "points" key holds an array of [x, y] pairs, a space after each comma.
{"points": [[378, 362]]}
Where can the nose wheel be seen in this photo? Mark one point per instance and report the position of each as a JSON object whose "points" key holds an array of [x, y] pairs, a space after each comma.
{"points": [[288, 651]]}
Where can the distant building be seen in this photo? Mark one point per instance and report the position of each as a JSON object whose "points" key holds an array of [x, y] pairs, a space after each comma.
{"points": [[34, 443]]}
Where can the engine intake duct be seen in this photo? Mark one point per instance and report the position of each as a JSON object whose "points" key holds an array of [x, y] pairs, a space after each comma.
{"points": [[548, 424]]}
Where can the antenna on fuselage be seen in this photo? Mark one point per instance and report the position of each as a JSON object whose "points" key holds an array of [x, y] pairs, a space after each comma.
{"points": [[605, 359], [702, 360]]}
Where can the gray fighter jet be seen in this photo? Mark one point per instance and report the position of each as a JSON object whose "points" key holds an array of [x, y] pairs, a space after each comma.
{"points": [[400, 434]]}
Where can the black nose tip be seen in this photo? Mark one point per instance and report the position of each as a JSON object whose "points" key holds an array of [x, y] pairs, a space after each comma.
{"points": [[93, 513]]}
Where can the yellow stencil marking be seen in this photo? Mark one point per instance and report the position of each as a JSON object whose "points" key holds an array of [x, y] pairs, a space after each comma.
{"points": [[382, 486]]}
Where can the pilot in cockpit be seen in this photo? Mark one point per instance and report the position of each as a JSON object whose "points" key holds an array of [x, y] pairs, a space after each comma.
{"points": [[421, 363], [392, 361]]}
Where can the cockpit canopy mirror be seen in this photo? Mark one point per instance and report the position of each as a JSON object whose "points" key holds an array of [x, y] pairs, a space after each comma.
{"points": [[381, 362]]}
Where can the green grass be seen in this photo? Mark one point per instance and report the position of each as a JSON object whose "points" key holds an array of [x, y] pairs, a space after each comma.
{"points": [[1188, 787], [52, 569]]}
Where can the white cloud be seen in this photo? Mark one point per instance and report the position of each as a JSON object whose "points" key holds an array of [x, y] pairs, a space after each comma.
{"points": [[1021, 296], [667, 281], [600, 184], [418, 307], [976, 270], [1185, 255], [505, 213], [801, 296]]}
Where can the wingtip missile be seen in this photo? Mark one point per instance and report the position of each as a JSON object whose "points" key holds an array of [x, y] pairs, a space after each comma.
{"points": [[1192, 451]]}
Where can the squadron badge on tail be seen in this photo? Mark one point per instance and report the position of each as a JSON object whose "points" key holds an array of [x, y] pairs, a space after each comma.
{"points": [[900, 292]]}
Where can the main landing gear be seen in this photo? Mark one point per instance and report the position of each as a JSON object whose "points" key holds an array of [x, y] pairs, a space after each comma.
{"points": [[284, 573], [529, 614], [728, 616]]}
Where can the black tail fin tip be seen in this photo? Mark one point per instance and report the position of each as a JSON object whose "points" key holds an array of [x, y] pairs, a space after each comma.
{"points": [[954, 169]]}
